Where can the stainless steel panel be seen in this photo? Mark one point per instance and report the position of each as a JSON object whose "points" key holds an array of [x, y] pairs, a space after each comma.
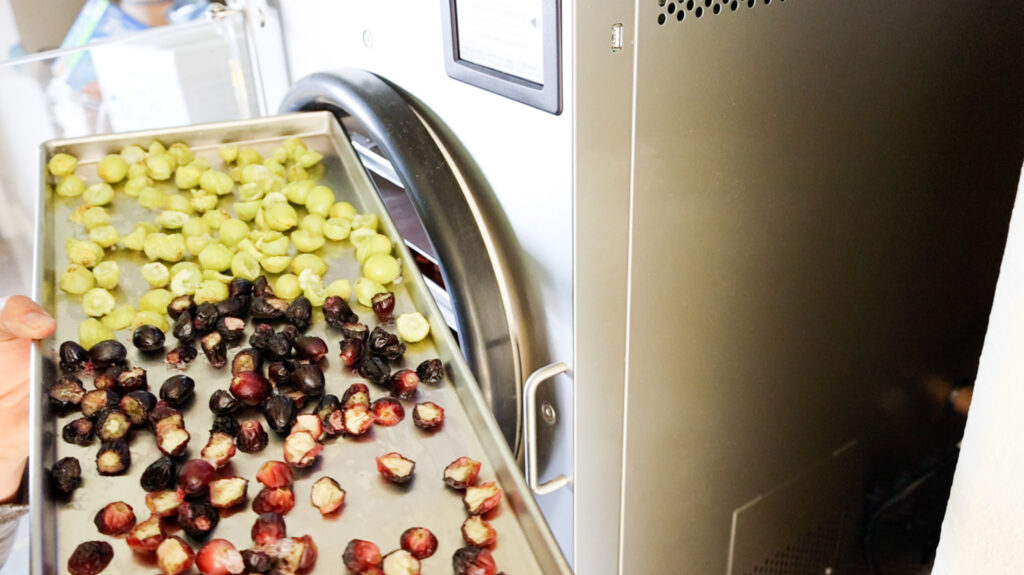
{"points": [[821, 196], [525, 543], [602, 156]]}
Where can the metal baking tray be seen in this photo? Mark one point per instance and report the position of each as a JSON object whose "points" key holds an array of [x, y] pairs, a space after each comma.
{"points": [[375, 509]]}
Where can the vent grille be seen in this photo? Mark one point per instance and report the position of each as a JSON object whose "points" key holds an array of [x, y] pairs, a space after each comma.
{"points": [[683, 10], [812, 554]]}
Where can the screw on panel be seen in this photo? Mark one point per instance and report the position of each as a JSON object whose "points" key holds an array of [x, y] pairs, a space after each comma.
{"points": [[368, 38], [548, 412]]}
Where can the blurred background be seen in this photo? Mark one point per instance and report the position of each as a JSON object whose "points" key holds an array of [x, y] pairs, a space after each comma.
{"points": [[71, 68]]}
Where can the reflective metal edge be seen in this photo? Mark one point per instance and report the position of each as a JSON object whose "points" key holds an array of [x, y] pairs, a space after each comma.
{"points": [[525, 509]]}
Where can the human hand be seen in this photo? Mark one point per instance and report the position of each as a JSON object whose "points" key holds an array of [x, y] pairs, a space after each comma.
{"points": [[21, 321]]}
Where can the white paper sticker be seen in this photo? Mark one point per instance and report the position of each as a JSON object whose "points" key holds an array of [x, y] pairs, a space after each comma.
{"points": [[504, 35]]}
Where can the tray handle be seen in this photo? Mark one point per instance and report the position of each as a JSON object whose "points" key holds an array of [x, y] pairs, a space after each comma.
{"points": [[530, 440]]}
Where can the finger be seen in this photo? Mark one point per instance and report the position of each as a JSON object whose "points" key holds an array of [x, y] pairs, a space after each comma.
{"points": [[20, 317]]}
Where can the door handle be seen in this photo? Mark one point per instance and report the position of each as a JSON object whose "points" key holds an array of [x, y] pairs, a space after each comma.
{"points": [[530, 415]]}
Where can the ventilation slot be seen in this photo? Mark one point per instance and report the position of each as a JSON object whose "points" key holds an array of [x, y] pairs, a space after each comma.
{"points": [[683, 10], [811, 554]]}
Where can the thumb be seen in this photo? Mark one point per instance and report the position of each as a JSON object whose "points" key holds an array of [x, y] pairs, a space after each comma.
{"points": [[21, 318]]}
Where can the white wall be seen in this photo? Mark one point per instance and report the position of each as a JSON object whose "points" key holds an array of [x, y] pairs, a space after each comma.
{"points": [[983, 531]]}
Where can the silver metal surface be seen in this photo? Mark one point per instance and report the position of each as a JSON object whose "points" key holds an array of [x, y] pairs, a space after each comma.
{"points": [[602, 156], [821, 193], [374, 509], [529, 441]]}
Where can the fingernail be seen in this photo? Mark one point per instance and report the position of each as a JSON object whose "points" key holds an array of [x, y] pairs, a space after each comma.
{"points": [[36, 319]]}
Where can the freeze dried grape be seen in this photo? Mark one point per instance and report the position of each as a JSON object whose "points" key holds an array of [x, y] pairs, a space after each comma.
{"points": [[73, 357], [161, 474], [384, 306], [301, 449], [228, 492], [177, 390], [248, 359], [337, 312], [174, 556], [387, 412], [78, 432], [280, 412], [428, 415], [351, 352], [250, 388], [356, 330], [181, 356], [280, 500], [310, 347], [461, 473], [480, 499], [231, 328], [215, 349], [147, 535], [66, 394], [223, 403], [269, 527], [235, 306], [137, 405], [195, 476], [219, 557], [66, 475], [97, 400], [90, 558], [401, 562], [148, 338], [473, 561], [375, 369], [205, 317], [107, 379], [226, 424], [219, 449], [430, 371], [107, 353], [180, 305], [133, 379], [300, 313], [419, 541], [385, 344], [404, 383], [395, 467], [309, 379], [326, 495], [252, 438], [113, 458], [184, 327], [361, 556], [165, 502], [197, 518], [171, 437], [111, 424], [116, 518], [268, 308], [478, 532]]}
